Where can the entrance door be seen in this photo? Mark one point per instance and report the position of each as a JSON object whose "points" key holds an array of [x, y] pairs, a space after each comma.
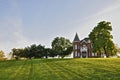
{"points": [[84, 54]]}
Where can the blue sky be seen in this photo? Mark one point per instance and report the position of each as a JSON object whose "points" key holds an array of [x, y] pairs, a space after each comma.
{"points": [[26, 22]]}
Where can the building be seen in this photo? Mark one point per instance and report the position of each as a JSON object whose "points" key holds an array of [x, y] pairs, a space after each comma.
{"points": [[83, 48]]}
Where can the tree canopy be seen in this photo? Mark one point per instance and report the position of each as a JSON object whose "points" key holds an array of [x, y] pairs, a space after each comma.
{"points": [[36, 51], [61, 46], [101, 39]]}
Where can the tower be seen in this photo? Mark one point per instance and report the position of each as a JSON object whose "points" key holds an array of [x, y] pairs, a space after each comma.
{"points": [[76, 47]]}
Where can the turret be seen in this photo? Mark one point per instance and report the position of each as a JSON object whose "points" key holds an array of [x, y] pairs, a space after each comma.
{"points": [[76, 47]]}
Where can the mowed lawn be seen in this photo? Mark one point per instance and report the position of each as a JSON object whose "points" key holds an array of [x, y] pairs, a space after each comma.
{"points": [[61, 69]]}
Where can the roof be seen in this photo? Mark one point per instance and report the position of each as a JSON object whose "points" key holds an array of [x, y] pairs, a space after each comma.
{"points": [[85, 39], [76, 38]]}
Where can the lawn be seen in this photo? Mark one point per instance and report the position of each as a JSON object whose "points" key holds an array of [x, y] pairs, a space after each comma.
{"points": [[61, 69]]}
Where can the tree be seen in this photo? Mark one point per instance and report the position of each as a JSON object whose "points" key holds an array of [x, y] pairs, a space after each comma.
{"points": [[52, 53], [36, 51], [40, 51], [27, 53], [60, 45], [2, 54], [69, 50], [15, 53], [47, 52], [101, 39], [33, 51]]}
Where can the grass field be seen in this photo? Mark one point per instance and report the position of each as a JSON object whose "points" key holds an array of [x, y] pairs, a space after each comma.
{"points": [[61, 69]]}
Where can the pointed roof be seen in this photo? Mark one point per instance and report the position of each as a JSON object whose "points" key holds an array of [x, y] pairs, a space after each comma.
{"points": [[76, 38]]}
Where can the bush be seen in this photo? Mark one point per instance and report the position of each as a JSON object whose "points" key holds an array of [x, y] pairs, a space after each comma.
{"points": [[2, 59]]}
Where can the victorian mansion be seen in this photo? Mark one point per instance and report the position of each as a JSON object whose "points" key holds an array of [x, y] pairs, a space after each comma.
{"points": [[83, 48]]}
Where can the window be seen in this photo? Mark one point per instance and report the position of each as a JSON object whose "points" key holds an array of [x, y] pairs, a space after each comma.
{"points": [[78, 54], [93, 54], [84, 48], [75, 46], [75, 53]]}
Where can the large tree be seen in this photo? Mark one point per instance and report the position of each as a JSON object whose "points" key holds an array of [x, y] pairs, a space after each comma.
{"points": [[60, 46], [102, 39]]}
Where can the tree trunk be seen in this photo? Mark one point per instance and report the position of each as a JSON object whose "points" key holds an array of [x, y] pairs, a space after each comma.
{"points": [[46, 56]]}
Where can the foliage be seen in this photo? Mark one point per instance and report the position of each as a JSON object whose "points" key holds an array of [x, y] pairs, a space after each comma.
{"points": [[48, 52], [1, 54], [52, 53], [102, 39], [60, 46], [17, 53], [61, 69], [29, 52]]}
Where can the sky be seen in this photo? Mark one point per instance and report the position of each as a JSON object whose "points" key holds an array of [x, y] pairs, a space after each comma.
{"points": [[26, 22]]}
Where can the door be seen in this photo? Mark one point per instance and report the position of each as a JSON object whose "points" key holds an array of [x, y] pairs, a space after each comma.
{"points": [[84, 54]]}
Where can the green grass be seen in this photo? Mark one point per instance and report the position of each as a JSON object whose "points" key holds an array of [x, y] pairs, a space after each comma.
{"points": [[61, 69]]}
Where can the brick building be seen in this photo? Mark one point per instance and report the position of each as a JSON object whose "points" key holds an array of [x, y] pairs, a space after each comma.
{"points": [[83, 48]]}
